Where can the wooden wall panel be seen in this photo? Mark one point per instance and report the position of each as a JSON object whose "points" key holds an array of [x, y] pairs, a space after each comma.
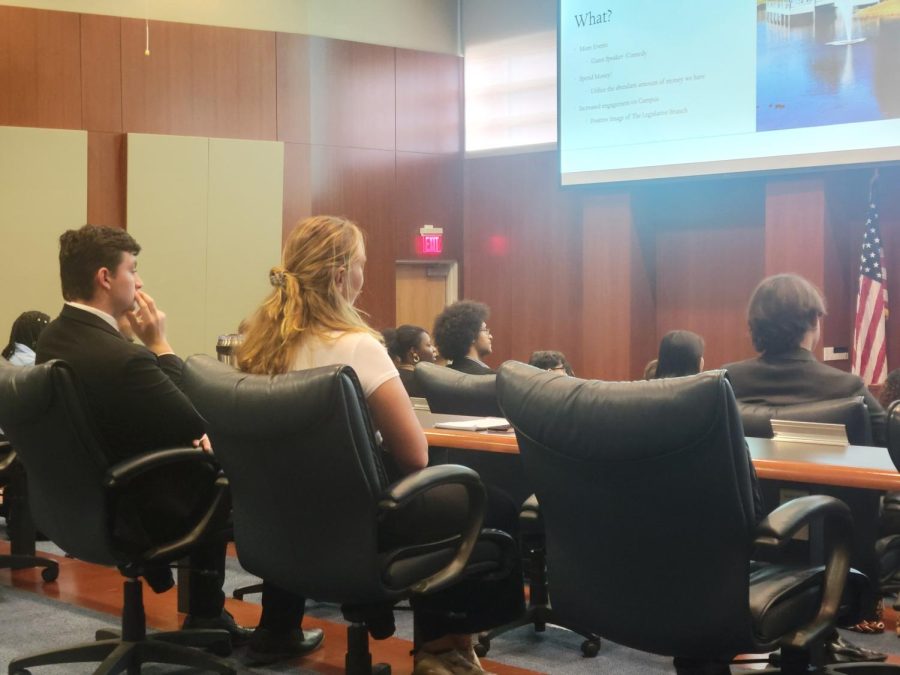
{"points": [[297, 186], [358, 183], [846, 207], [709, 256], [40, 69], [101, 67], [795, 228], [352, 89], [106, 173], [293, 83], [618, 307], [198, 80], [431, 190], [429, 102], [522, 254]]}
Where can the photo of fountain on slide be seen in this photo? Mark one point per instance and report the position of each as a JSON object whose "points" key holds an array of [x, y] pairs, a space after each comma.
{"points": [[823, 62]]}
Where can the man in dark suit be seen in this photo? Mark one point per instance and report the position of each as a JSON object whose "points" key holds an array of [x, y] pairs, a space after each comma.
{"points": [[784, 315], [132, 394], [462, 336]]}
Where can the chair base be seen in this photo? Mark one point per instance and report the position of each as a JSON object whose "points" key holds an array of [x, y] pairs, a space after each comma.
{"points": [[119, 656], [358, 660], [134, 647], [17, 561], [539, 616], [239, 593]]}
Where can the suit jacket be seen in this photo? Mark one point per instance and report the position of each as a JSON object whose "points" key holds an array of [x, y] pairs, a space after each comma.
{"points": [[797, 377], [466, 365], [132, 395]]}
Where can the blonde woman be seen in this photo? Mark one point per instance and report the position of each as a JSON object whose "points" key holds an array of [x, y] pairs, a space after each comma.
{"points": [[309, 320]]}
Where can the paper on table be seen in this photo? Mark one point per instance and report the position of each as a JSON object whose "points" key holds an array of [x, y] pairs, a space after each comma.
{"points": [[480, 424]]}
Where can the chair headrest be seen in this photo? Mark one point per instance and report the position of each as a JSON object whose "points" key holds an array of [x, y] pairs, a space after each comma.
{"points": [[451, 392], [660, 416]]}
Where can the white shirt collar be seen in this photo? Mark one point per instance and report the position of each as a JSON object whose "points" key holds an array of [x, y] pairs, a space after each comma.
{"points": [[96, 312]]}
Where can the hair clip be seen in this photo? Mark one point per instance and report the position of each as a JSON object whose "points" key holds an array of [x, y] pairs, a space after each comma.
{"points": [[277, 279]]}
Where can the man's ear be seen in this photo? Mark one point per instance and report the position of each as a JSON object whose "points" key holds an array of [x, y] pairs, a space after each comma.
{"points": [[103, 278]]}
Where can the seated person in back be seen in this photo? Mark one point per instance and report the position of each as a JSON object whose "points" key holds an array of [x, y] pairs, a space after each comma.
{"points": [[23, 337], [462, 336], [890, 392], [784, 316], [310, 320], [680, 354], [132, 395], [550, 360], [409, 346]]}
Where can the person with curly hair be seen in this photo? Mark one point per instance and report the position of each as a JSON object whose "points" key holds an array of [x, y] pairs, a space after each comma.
{"points": [[784, 316], [890, 392], [462, 336]]}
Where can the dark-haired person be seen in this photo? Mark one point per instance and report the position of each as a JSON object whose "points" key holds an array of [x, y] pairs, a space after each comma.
{"points": [[462, 336], [680, 354], [133, 398], [550, 360], [784, 316], [409, 346], [23, 337], [890, 392], [785, 319]]}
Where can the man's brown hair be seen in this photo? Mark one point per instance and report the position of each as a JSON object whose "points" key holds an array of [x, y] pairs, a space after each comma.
{"points": [[84, 251]]}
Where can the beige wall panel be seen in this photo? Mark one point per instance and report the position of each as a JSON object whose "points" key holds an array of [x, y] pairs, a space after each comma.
{"points": [[43, 191], [430, 26], [167, 214], [244, 236]]}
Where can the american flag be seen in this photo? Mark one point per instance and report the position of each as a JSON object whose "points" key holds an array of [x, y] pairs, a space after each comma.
{"points": [[869, 351]]}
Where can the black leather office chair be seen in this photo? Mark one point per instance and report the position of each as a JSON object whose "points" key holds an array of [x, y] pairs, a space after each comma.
{"points": [[19, 527], [454, 393], [313, 512], [851, 412], [76, 500], [626, 470]]}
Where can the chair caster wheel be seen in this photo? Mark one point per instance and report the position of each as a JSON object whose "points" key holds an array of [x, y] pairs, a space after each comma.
{"points": [[590, 648], [49, 574], [482, 647]]}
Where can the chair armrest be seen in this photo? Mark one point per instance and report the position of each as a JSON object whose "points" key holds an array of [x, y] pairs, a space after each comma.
{"points": [[124, 472], [8, 458], [401, 493], [217, 512], [409, 487], [777, 529]]}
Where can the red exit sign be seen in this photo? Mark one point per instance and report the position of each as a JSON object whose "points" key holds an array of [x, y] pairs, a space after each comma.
{"points": [[430, 241]]}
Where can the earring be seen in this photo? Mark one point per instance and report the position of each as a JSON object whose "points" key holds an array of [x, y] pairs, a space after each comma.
{"points": [[415, 358]]}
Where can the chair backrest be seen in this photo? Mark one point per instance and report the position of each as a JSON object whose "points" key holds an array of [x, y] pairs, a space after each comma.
{"points": [[44, 416], [851, 412], [451, 392], [300, 455], [646, 497]]}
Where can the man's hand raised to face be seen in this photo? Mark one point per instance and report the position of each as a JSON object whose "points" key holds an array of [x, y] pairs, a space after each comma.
{"points": [[149, 324]]}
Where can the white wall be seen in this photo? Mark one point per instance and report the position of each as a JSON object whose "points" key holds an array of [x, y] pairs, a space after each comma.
{"points": [[428, 25]]}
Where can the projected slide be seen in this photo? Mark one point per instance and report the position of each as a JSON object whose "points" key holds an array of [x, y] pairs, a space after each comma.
{"points": [[652, 89]]}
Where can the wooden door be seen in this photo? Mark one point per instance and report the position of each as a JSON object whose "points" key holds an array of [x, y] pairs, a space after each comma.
{"points": [[423, 290]]}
